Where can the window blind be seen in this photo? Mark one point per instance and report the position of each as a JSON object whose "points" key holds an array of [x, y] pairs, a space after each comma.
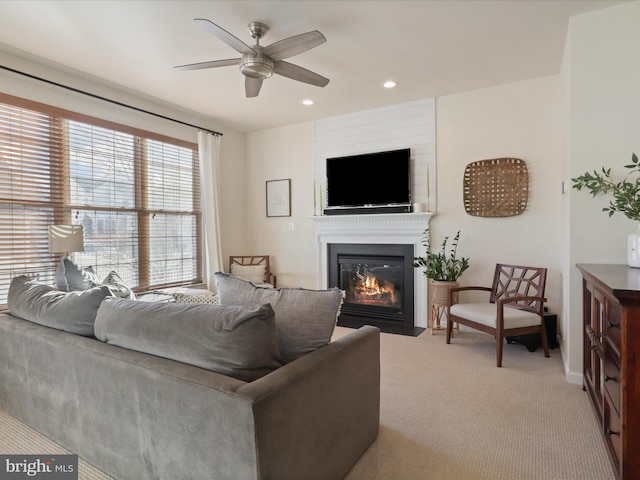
{"points": [[31, 177], [137, 196]]}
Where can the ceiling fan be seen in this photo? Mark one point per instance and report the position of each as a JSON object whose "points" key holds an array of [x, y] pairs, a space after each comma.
{"points": [[258, 62]]}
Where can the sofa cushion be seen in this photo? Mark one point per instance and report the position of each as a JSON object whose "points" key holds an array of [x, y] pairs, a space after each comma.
{"points": [[72, 277], [73, 312], [305, 319], [236, 341]]}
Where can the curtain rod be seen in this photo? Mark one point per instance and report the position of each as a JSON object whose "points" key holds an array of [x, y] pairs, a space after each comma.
{"points": [[115, 102]]}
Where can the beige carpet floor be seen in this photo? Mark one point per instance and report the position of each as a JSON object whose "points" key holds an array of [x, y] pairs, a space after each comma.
{"points": [[448, 413]]}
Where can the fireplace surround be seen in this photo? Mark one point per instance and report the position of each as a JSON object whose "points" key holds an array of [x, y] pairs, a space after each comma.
{"points": [[377, 229]]}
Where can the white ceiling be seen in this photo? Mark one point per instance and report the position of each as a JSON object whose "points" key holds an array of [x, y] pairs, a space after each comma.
{"points": [[431, 48]]}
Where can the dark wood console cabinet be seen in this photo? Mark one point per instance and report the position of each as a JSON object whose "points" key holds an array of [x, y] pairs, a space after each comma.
{"points": [[611, 306]]}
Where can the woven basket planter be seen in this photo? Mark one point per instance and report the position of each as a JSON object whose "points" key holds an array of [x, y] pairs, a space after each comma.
{"points": [[439, 299]]}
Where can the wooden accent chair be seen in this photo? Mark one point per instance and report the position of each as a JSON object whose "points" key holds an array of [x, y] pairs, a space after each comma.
{"points": [[515, 307], [255, 268]]}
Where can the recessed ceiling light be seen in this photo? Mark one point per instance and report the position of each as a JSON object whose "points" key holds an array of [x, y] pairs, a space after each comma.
{"points": [[307, 102], [389, 84]]}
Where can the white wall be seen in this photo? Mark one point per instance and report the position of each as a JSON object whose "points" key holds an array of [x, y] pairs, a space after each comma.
{"points": [[275, 154], [516, 120], [232, 145], [602, 78]]}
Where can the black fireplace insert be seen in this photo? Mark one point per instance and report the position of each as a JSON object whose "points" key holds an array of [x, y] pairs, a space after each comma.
{"points": [[378, 284]]}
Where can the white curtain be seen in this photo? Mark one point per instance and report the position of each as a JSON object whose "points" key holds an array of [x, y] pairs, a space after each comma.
{"points": [[209, 150]]}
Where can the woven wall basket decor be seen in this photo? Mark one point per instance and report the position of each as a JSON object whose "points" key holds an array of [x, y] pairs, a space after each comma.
{"points": [[498, 187]]}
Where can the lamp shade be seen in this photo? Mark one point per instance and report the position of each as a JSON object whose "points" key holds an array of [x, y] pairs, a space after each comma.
{"points": [[66, 238]]}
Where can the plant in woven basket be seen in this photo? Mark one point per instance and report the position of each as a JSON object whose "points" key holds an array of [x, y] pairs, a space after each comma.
{"points": [[626, 193], [442, 266]]}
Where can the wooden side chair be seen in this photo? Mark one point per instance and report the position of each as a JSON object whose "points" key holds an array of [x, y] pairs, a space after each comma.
{"points": [[515, 306], [255, 268]]}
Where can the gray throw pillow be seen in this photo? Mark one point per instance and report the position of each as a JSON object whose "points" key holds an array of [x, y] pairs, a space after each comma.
{"points": [[73, 312], [305, 319], [71, 277], [236, 341]]}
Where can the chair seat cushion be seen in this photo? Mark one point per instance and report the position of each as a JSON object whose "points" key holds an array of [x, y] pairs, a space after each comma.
{"points": [[487, 314]]}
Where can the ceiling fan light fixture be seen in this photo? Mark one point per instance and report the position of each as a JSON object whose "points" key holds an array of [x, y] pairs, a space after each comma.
{"points": [[258, 62], [256, 66]]}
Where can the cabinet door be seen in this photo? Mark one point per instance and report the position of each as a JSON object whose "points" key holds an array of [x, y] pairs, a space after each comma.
{"points": [[595, 312]]}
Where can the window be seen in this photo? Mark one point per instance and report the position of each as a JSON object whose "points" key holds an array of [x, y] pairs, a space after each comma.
{"points": [[136, 194]]}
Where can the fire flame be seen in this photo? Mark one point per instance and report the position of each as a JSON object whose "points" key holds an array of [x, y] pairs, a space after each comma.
{"points": [[370, 291]]}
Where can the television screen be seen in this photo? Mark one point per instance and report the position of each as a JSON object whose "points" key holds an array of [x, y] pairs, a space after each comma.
{"points": [[371, 179]]}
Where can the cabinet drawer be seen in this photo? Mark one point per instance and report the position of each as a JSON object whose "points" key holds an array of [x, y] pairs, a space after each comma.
{"points": [[612, 327], [613, 435], [611, 379]]}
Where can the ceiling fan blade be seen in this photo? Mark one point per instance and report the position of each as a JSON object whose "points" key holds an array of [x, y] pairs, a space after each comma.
{"points": [[225, 36], [252, 86], [211, 64], [294, 45], [294, 72]]}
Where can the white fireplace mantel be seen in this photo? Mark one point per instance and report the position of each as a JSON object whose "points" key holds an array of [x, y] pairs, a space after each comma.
{"points": [[389, 228]]}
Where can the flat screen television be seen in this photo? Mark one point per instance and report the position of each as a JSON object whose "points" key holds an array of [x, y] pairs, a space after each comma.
{"points": [[377, 182]]}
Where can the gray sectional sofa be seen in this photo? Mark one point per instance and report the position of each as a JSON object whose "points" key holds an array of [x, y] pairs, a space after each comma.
{"points": [[137, 414]]}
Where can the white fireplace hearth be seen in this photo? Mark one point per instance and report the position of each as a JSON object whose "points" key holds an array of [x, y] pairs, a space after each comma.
{"points": [[379, 229]]}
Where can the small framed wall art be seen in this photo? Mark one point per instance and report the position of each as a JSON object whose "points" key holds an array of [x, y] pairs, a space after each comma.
{"points": [[279, 198]]}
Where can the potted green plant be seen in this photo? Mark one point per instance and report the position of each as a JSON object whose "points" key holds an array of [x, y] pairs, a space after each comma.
{"points": [[443, 270], [626, 199], [441, 266], [626, 193]]}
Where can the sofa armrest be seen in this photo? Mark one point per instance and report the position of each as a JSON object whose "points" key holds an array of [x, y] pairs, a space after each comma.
{"points": [[317, 415]]}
